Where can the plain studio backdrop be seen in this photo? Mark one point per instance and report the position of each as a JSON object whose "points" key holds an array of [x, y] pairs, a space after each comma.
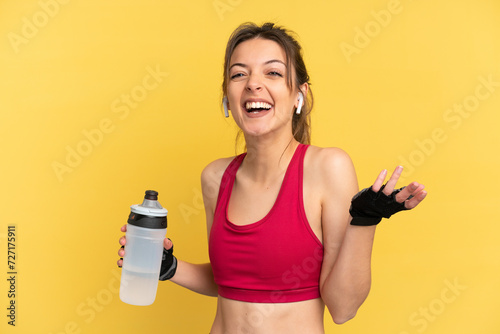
{"points": [[102, 100]]}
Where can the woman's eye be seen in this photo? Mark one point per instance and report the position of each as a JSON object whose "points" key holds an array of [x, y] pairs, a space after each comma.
{"points": [[237, 75], [276, 73]]}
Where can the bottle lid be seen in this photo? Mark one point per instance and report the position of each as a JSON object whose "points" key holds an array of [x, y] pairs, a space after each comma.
{"points": [[150, 213], [150, 206]]}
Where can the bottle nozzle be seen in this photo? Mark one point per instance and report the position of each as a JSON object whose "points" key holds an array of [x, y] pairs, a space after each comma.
{"points": [[151, 195]]}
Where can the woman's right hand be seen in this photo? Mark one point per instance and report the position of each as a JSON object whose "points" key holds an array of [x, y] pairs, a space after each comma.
{"points": [[122, 242]]}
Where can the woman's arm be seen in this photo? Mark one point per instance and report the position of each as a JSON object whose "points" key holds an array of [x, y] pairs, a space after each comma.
{"points": [[346, 272], [195, 277]]}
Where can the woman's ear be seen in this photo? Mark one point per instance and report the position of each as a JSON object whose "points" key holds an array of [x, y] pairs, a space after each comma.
{"points": [[304, 88]]}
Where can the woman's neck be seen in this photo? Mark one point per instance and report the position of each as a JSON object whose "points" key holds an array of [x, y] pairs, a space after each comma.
{"points": [[268, 158]]}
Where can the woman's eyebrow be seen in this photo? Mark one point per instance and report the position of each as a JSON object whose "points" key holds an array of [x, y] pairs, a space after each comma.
{"points": [[266, 63], [275, 61], [237, 64]]}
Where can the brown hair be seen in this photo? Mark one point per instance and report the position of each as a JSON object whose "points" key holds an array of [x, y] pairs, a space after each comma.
{"points": [[301, 124]]}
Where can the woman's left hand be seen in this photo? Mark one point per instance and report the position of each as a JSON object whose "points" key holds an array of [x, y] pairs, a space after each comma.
{"points": [[370, 205], [414, 189]]}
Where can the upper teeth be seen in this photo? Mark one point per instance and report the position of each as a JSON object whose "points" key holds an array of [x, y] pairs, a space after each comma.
{"points": [[258, 105]]}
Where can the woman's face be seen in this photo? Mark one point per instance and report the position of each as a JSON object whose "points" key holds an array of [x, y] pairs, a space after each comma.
{"points": [[258, 95]]}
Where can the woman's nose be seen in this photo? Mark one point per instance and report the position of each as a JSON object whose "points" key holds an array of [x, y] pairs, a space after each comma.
{"points": [[254, 83]]}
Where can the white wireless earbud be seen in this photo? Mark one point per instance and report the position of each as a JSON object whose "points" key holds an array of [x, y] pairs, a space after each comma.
{"points": [[224, 103], [301, 103]]}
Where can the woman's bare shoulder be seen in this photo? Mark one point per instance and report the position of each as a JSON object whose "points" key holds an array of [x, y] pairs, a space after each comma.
{"points": [[329, 169], [215, 169], [328, 159], [211, 177]]}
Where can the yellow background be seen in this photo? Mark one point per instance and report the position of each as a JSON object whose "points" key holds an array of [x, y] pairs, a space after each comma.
{"points": [[64, 70]]}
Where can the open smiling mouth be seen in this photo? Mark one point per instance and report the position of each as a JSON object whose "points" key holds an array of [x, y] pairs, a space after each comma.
{"points": [[256, 107]]}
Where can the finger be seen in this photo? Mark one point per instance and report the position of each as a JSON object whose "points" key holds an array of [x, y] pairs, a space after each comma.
{"points": [[410, 190], [167, 243], [122, 241], [121, 251], [119, 263], [389, 187], [124, 228], [379, 181], [415, 200]]}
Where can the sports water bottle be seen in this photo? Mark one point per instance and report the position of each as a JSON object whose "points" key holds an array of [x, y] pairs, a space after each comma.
{"points": [[146, 229]]}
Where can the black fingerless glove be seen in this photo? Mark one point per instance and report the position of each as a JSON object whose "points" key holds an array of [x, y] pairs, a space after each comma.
{"points": [[369, 207], [168, 264]]}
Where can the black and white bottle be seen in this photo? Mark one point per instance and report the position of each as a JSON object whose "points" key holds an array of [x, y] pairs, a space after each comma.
{"points": [[146, 229]]}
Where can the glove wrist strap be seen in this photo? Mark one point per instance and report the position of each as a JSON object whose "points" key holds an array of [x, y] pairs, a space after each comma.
{"points": [[365, 221]]}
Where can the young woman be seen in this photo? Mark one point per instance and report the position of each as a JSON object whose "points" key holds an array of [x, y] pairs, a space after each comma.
{"points": [[284, 239]]}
